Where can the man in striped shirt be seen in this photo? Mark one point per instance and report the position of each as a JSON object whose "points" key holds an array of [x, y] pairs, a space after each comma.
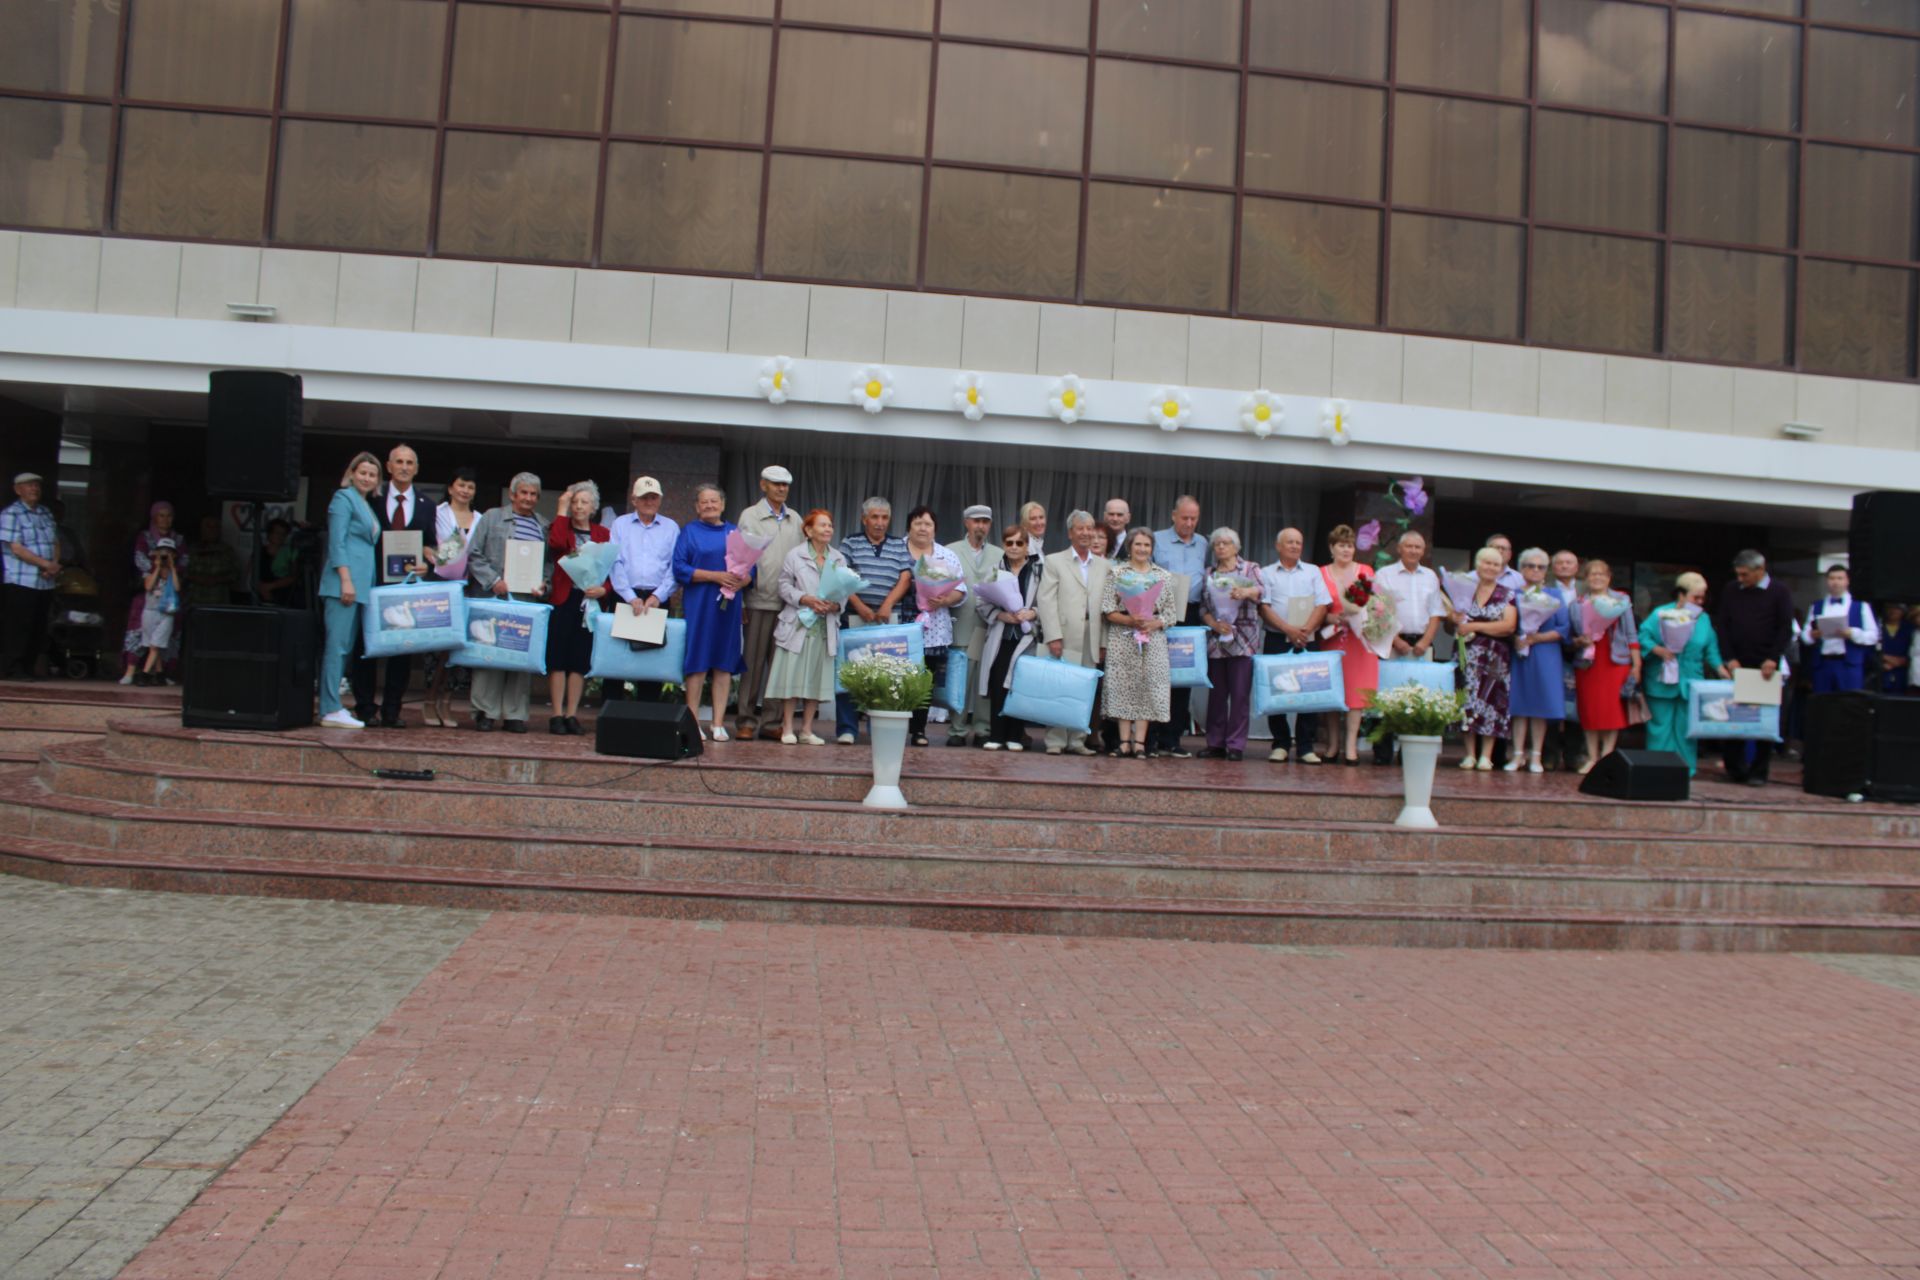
{"points": [[887, 566]]}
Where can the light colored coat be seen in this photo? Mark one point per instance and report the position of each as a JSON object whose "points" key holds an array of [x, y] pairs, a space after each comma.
{"points": [[787, 534], [966, 625], [1070, 610], [800, 576], [996, 632]]}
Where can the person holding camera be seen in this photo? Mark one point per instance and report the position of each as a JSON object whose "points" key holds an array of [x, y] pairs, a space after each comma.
{"points": [[161, 587]]}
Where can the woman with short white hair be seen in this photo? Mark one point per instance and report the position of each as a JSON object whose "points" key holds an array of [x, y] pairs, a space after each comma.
{"points": [[1231, 614], [569, 639], [1539, 696], [1485, 621]]}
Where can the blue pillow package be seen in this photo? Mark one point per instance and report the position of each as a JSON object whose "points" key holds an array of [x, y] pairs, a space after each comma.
{"points": [[1712, 713], [413, 617], [896, 640], [1187, 658], [1395, 672], [615, 659], [953, 692], [505, 635], [1051, 692], [1284, 682]]}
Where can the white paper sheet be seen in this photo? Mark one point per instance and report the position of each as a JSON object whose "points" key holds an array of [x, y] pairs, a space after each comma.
{"points": [[649, 628], [524, 562], [1752, 689]]}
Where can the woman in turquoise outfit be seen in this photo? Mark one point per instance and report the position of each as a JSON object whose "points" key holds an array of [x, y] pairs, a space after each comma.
{"points": [[1667, 700], [352, 532]]}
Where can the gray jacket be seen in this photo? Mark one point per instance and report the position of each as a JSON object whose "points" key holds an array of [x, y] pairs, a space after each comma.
{"points": [[488, 558]]}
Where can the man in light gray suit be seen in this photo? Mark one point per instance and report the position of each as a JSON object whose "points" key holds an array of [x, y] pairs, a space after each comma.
{"points": [[1070, 590]]}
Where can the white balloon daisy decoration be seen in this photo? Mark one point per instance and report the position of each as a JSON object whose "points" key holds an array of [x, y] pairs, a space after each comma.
{"points": [[1067, 398], [970, 396], [1336, 422], [1170, 408], [1261, 412], [776, 380], [871, 388]]}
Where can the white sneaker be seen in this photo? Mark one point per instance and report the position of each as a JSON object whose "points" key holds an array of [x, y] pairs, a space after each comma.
{"points": [[341, 719], [989, 746], [1016, 746], [813, 740], [1277, 756], [845, 739]]}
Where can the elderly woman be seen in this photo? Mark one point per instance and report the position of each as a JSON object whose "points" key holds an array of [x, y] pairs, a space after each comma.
{"points": [[1359, 665], [714, 638], [352, 533], [936, 621], [1138, 683], [160, 524], [1010, 633], [1696, 660], [1232, 619], [1485, 623], [803, 653], [1615, 654], [569, 638], [1539, 697]]}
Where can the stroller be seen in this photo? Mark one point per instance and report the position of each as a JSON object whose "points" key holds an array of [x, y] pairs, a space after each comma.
{"points": [[76, 629]]}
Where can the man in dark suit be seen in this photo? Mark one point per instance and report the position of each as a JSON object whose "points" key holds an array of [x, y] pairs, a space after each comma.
{"points": [[1755, 624], [396, 505]]}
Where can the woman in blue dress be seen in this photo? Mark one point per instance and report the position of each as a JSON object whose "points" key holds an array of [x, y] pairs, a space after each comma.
{"points": [[713, 621], [1539, 696]]}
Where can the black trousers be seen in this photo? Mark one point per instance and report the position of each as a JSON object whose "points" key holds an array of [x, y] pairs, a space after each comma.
{"points": [[1165, 735], [23, 628], [1734, 753], [394, 693], [1004, 728]]}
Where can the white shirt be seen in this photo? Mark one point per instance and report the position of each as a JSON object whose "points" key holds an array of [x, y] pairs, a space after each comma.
{"points": [[1416, 595], [1083, 561], [1866, 635], [1280, 584]]}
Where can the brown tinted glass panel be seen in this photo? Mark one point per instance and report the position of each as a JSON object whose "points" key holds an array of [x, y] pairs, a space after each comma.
{"points": [[58, 46], [540, 68], [1865, 87], [1903, 15], [53, 164], [218, 53], [1600, 292], [1452, 276], [1175, 124], [1310, 262], [1594, 171], [1732, 188], [728, 8], [1328, 37], [680, 79], [1603, 53], [1736, 71], [1010, 106], [1778, 8], [692, 208], [1727, 306], [1449, 153], [852, 93], [1158, 246], [1203, 30], [353, 186], [1055, 22], [854, 220], [1003, 233], [1476, 46], [366, 57], [894, 15], [1315, 138], [1856, 320], [504, 196], [193, 175], [1860, 203]]}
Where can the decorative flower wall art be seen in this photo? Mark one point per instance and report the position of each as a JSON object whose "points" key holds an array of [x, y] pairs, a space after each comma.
{"points": [[970, 396], [1067, 398], [776, 380], [1261, 412], [871, 388], [1170, 408], [1336, 422]]}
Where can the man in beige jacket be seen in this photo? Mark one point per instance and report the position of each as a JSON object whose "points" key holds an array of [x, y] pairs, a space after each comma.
{"points": [[1070, 591], [771, 516]]}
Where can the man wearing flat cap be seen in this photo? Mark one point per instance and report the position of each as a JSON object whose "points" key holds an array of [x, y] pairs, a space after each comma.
{"points": [[769, 517], [980, 558], [30, 546]]}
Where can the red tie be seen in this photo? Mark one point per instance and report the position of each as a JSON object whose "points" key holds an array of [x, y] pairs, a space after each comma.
{"points": [[399, 502]]}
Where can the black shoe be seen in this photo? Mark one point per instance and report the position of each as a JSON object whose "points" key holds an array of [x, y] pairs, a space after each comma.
{"points": [[1755, 781], [1214, 753], [1350, 760], [956, 740], [573, 727], [557, 726], [1235, 755], [483, 722], [395, 723], [514, 726], [1177, 753]]}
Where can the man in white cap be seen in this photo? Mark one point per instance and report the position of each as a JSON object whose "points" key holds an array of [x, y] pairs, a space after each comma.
{"points": [[643, 572], [980, 559], [769, 517], [30, 546]]}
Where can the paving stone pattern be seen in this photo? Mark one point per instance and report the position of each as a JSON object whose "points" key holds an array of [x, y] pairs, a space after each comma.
{"points": [[147, 1039], [582, 1096]]}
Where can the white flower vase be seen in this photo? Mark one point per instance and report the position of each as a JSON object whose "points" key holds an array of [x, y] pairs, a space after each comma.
{"points": [[888, 730], [1419, 754]]}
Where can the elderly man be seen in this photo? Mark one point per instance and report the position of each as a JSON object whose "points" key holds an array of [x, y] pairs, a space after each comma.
{"points": [[1293, 603], [501, 696], [397, 505], [1070, 588], [1116, 517], [980, 559], [887, 565], [1755, 625], [769, 517], [1841, 648], [30, 543], [643, 571], [1181, 551]]}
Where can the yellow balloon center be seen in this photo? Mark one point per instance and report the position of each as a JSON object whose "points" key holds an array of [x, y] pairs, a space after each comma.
{"points": [[779, 381], [973, 395], [1262, 413], [873, 389], [1068, 399], [1339, 424], [1171, 408]]}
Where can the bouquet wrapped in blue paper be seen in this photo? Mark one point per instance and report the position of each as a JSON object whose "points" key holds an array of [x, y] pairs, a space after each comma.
{"points": [[505, 635], [615, 659], [1284, 682], [1187, 658], [413, 617], [589, 566], [837, 586]]}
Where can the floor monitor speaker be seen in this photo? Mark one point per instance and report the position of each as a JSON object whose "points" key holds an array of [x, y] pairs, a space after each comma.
{"points": [[253, 435], [247, 668], [1880, 557], [648, 731], [1839, 755], [1638, 775]]}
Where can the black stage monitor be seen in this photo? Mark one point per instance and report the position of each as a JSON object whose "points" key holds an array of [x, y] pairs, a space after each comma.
{"points": [[1638, 775], [648, 731]]}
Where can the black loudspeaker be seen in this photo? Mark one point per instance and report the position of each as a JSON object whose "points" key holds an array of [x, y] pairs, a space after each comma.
{"points": [[248, 668], [1638, 775], [1896, 750], [253, 435], [1880, 559], [648, 730], [1839, 744]]}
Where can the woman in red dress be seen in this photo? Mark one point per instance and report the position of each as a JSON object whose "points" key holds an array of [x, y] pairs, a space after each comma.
{"points": [[1597, 686], [1359, 667]]}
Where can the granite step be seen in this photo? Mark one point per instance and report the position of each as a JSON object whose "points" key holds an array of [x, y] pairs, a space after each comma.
{"points": [[87, 705]]}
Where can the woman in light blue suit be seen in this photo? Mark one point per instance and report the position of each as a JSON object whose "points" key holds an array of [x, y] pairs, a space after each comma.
{"points": [[352, 534]]}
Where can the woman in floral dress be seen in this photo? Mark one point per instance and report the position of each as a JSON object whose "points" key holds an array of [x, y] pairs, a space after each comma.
{"points": [[1139, 680], [1485, 627]]}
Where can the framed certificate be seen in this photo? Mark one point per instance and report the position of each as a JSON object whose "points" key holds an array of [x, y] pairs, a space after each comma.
{"points": [[1299, 610], [525, 559], [399, 548]]}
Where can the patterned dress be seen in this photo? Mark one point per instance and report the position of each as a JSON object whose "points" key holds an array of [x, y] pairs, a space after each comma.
{"points": [[1489, 669], [1138, 680]]}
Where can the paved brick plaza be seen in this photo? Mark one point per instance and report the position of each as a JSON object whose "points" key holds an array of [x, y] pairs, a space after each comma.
{"points": [[611, 1097]]}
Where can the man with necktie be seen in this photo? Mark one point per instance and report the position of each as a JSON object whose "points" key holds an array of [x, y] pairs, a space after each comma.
{"points": [[1841, 648], [397, 505]]}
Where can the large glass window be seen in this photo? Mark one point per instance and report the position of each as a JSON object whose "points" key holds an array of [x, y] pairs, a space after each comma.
{"points": [[1600, 292], [693, 209], [1019, 21], [1732, 187], [1173, 124], [1597, 171], [1604, 53], [53, 164], [899, 15], [1315, 138], [1862, 87], [1736, 71], [1862, 203], [58, 46], [216, 53], [843, 220], [852, 93], [530, 68], [1903, 15], [682, 79], [1455, 276], [1158, 246], [366, 57], [1729, 306], [1003, 233], [354, 186], [504, 195], [1310, 261], [1203, 30], [1010, 106], [1475, 46], [1327, 37], [1856, 319], [192, 174], [1450, 153]]}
